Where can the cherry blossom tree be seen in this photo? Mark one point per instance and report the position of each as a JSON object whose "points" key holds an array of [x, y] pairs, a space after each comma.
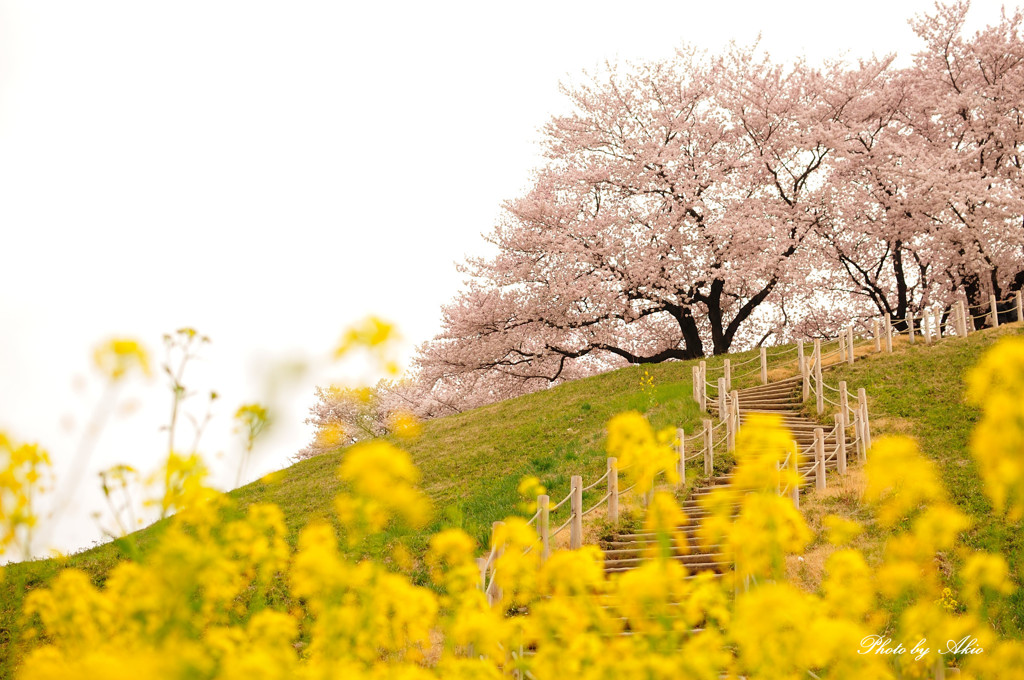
{"points": [[673, 202], [695, 204], [967, 105]]}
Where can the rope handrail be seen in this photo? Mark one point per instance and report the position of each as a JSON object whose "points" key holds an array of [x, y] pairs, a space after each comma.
{"points": [[834, 389], [531, 546], [830, 401], [627, 490], [598, 481], [560, 529], [596, 505], [490, 559], [534, 518], [560, 503], [781, 352], [744, 363]]}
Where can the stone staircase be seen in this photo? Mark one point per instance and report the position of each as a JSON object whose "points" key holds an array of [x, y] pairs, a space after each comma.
{"points": [[625, 550]]}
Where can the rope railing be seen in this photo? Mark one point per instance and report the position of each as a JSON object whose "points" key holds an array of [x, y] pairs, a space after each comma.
{"points": [[711, 438], [598, 504], [851, 411], [560, 503], [561, 528], [597, 481]]}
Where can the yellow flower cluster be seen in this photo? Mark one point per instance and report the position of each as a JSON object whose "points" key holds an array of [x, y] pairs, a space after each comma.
{"points": [[228, 598], [117, 357], [375, 335], [996, 385], [23, 477], [758, 526], [383, 484], [642, 453], [529, 488]]}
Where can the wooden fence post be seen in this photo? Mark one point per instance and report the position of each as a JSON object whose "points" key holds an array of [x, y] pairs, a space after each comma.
{"points": [[842, 347], [819, 391], [858, 433], [728, 374], [937, 318], [849, 344], [804, 372], [576, 508], [801, 360], [926, 327], [878, 336], [1020, 307], [910, 326], [840, 445], [819, 457], [709, 448], [728, 432], [794, 489], [544, 526], [494, 594], [703, 386], [865, 422], [844, 403], [963, 328], [995, 311], [735, 414], [764, 366], [722, 397], [888, 333], [732, 422], [613, 490], [696, 384], [681, 450]]}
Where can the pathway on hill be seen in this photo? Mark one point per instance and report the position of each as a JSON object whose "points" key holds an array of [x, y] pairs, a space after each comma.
{"points": [[625, 550]]}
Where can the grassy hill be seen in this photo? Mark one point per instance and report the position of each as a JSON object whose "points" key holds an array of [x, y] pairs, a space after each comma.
{"points": [[473, 462], [919, 391]]}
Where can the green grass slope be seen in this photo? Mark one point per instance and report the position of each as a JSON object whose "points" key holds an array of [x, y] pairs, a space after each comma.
{"points": [[919, 391], [471, 465], [472, 462]]}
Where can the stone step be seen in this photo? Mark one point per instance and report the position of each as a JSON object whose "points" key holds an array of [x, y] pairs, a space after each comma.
{"points": [[686, 558], [688, 577], [622, 565]]}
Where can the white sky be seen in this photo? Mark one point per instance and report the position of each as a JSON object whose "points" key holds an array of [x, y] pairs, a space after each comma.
{"points": [[269, 172]]}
